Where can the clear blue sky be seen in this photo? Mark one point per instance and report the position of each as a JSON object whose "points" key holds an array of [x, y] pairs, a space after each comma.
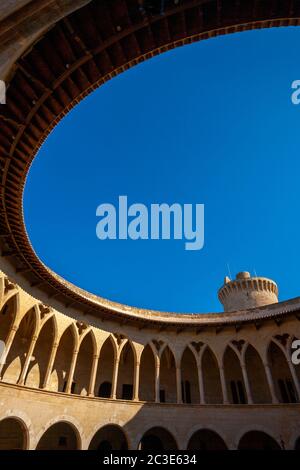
{"points": [[209, 123]]}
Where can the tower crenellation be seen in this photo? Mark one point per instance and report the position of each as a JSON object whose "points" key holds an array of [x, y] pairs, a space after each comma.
{"points": [[245, 292]]}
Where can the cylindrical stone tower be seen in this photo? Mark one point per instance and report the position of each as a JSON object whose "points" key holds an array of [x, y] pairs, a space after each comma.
{"points": [[246, 292]]}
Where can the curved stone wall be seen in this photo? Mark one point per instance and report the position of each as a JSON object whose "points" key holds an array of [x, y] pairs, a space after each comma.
{"points": [[146, 377]]}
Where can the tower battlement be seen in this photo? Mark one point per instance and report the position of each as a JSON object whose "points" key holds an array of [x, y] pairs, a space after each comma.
{"points": [[246, 292]]}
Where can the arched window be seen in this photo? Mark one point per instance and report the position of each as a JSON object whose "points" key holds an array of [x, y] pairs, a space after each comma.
{"points": [[147, 375], [189, 377], [282, 379], [234, 377], [105, 368], [13, 435], [168, 391], [18, 352], [60, 436], [206, 439], [157, 439], [109, 438], [256, 375], [83, 369], [40, 358], [62, 363], [211, 378], [257, 440], [125, 375]]}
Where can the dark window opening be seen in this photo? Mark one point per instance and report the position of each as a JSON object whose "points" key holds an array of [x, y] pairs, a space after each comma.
{"points": [[127, 392], [237, 392], [105, 390], [162, 396], [186, 391], [104, 446], [62, 441], [241, 393], [234, 392], [291, 391], [151, 443], [287, 391]]}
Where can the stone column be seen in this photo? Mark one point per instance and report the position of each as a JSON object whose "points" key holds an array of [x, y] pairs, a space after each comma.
{"points": [[50, 365], [295, 378], [223, 385], [136, 381], [8, 344], [91, 391], [27, 361], [247, 385], [178, 385], [157, 381], [201, 385], [71, 371], [270, 382], [115, 379]]}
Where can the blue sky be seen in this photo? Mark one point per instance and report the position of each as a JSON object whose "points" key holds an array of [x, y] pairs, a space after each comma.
{"points": [[209, 123]]}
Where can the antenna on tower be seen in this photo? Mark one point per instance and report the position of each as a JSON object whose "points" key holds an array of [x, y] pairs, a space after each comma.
{"points": [[229, 272]]}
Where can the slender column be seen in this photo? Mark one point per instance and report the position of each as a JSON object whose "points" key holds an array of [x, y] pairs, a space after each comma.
{"points": [[201, 385], [178, 385], [50, 365], [295, 378], [270, 382], [8, 344], [136, 382], [71, 372], [27, 361], [247, 385], [157, 381], [91, 391], [115, 379], [223, 385]]}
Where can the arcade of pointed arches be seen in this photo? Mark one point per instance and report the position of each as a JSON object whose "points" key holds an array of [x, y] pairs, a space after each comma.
{"points": [[73, 359]]}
